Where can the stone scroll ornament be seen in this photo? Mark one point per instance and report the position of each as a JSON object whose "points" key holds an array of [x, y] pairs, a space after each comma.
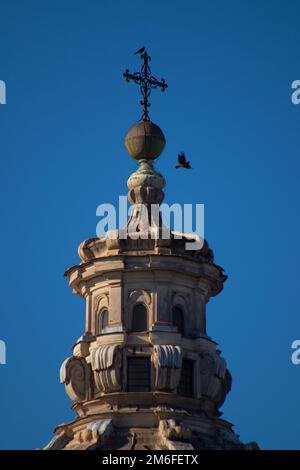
{"points": [[167, 360], [106, 364], [215, 378], [75, 374]]}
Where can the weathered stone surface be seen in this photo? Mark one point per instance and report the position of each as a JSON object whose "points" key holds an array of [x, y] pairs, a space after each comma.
{"points": [[174, 401], [167, 360], [106, 363], [145, 140], [169, 434], [75, 374]]}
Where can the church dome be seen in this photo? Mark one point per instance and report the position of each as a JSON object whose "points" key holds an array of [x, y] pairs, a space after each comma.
{"points": [[145, 140]]}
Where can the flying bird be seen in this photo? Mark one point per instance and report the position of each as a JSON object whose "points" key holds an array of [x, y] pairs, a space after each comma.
{"points": [[140, 51], [182, 163]]}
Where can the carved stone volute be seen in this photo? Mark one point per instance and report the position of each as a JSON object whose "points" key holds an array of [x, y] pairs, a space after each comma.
{"points": [[214, 377], [106, 364], [167, 360], [75, 374]]}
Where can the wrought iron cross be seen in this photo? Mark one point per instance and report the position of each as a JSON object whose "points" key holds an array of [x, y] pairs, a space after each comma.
{"points": [[145, 81]]}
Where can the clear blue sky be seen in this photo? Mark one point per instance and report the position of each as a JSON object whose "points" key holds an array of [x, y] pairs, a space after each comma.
{"points": [[229, 66]]}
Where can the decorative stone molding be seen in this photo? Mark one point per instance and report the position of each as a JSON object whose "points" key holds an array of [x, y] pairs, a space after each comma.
{"points": [[167, 360], [93, 436], [81, 347], [174, 430], [174, 435], [139, 296], [75, 374], [214, 378], [101, 301], [60, 440], [106, 363]]}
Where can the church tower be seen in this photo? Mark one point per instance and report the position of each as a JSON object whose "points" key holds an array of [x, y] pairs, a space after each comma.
{"points": [[145, 374]]}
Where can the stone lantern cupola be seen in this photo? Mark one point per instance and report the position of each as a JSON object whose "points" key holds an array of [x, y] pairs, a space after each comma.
{"points": [[145, 374]]}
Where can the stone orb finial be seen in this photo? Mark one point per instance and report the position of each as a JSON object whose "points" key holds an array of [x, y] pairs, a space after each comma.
{"points": [[145, 140]]}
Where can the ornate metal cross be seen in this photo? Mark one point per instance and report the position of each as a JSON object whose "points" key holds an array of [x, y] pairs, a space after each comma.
{"points": [[145, 81]]}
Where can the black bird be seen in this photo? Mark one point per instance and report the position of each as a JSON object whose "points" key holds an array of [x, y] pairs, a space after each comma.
{"points": [[182, 162], [140, 51]]}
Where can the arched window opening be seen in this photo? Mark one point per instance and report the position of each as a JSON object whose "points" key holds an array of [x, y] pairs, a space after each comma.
{"points": [[103, 323], [178, 319], [139, 318]]}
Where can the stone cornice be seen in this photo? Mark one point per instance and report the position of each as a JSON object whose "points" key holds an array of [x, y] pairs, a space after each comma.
{"points": [[85, 275]]}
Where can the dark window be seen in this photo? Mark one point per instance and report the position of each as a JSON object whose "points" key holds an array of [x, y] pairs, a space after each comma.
{"points": [[103, 319], [178, 319], [138, 374], [186, 384], [139, 318]]}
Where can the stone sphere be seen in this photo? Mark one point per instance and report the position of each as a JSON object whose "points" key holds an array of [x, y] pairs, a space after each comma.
{"points": [[145, 140]]}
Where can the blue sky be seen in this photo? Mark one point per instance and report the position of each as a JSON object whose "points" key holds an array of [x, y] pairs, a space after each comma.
{"points": [[229, 66]]}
